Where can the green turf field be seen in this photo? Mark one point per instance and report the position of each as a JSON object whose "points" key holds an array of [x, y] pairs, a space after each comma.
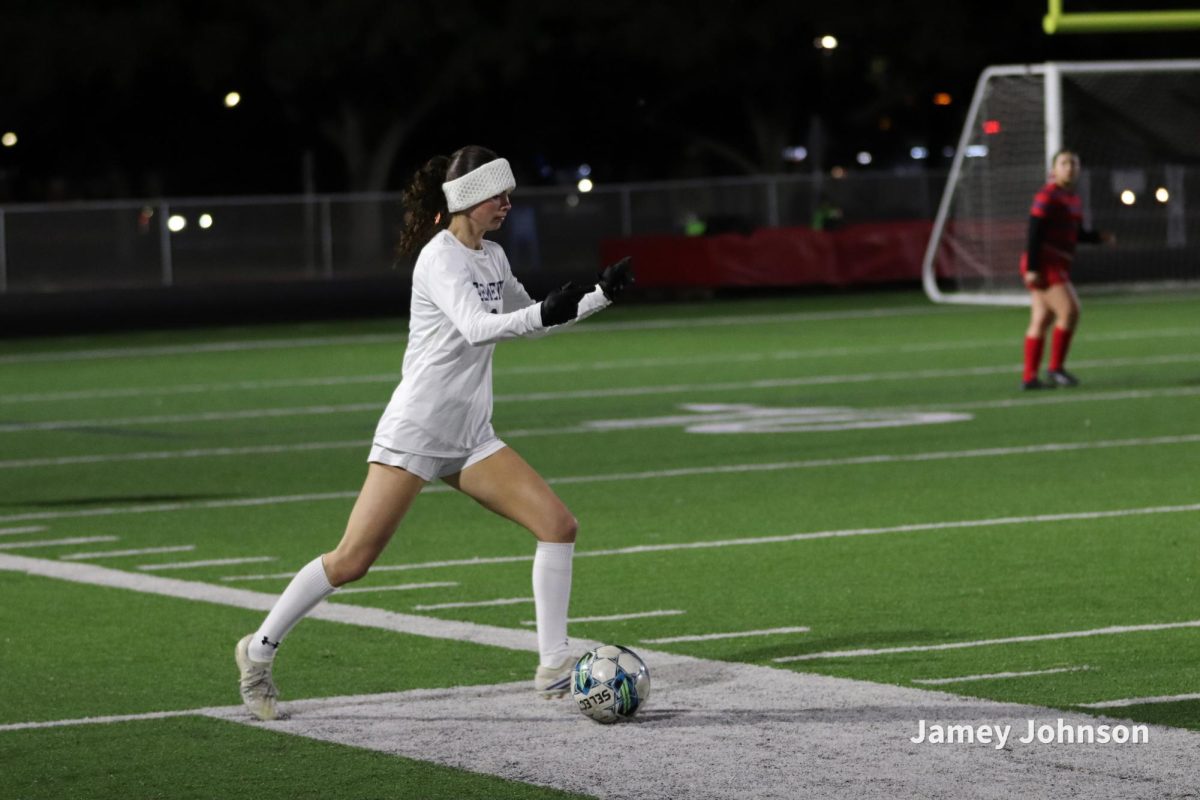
{"points": [[863, 467]]}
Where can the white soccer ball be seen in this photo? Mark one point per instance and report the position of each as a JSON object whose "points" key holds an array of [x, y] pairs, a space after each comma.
{"points": [[610, 683]]}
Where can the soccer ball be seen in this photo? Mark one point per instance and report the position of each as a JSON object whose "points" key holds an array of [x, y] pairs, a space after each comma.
{"points": [[610, 683]]}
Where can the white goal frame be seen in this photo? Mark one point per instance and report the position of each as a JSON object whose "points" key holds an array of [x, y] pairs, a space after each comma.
{"points": [[1051, 73]]}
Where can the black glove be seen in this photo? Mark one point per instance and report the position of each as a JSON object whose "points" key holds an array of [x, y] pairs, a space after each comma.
{"points": [[562, 304], [616, 277]]}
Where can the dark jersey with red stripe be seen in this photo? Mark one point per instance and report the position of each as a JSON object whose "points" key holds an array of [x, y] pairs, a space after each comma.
{"points": [[1058, 217]]}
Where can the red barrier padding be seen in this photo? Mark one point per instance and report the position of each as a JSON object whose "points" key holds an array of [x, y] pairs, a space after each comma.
{"points": [[878, 252]]}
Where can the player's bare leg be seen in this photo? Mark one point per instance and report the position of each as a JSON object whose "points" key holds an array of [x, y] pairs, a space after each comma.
{"points": [[1041, 315], [1064, 304], [505, 484]]}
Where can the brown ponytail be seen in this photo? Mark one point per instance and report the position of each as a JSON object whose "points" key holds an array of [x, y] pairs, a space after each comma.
{"points": [[424, 202]]}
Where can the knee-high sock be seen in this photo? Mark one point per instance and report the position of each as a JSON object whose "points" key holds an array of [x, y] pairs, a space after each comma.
{"points": [[551, 595], [1059, 344], [309, 587], [1033, 357]]}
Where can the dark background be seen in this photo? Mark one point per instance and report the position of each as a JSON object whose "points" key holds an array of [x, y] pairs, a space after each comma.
{"points": [[125, 99]]}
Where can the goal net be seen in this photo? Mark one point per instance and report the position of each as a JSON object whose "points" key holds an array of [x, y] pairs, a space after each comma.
{"points": [[1136, 127]]}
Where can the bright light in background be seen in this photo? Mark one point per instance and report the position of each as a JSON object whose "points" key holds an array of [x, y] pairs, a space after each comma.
{"points": [[176, 223], [942, 99], [584, 170], [825, 42], [205, 221], [1128, 197], [584, 185], [796, 154], [976, 150], [919, 153], [1161, 194], [838, 172], [991, 126], [232, 99], [9, 139], [863, 157]]}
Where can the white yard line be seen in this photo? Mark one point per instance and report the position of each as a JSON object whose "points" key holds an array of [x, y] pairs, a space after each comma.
{"points": [[108, 720], [145, 551], [57, 542], [213, 562], [1041, 637], [1140, 701], [504, 601], [709, 637], [642, 391], [618, 617], [764, 733], [171, 455], [998, 675], [24, 529], [398, 587]]}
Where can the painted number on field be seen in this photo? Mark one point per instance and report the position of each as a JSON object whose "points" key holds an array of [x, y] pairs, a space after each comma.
{"points": [[749, 418]]}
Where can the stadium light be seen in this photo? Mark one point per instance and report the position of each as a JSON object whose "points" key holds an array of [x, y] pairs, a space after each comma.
{"points": [[796, 153], [942, 99], [176, 223], [863, 157], [976, 150], [825, 42], [1161, 194], [838, 172], [1128, 197], [584, 170], [232, 99], [9, 139], [205, 221], [585, 185], [919, 153]]}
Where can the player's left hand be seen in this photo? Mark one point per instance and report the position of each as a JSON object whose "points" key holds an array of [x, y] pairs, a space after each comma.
{"points": [[616, 277]]}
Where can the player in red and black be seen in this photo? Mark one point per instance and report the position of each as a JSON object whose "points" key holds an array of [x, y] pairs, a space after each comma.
{"points": [[1055, 225]]}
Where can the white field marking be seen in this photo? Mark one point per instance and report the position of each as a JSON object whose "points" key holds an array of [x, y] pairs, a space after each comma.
{"points": [[170, 455], [1138, 701], [579, 366], [145, 551], [389, 338], [214, 562], [997, 675], [399, 587], [1041, 637], [815, 729], [708, 637], [618, 617], [66, 723], [25, 529], [622, 476], [57, 542], [505, 601], [630, 391]]}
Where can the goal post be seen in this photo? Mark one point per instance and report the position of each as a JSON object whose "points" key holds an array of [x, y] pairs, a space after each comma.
{"points": [[1134, 125]]}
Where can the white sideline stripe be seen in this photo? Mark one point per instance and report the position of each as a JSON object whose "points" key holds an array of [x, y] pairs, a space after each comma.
{"points": [[387, 338], [634, 391], [620, 476], [790, 537], [1138, 701], [214, 562], [708, 637], [618, 617], [537, 369], [58, 542], [363, 616], [1043, 637], [506, 601], [996, 675], [161, 455], [25, 529], [399, 587], [65, 723], [145, 551]]}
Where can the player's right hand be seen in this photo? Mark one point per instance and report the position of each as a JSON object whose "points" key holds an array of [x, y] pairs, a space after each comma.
{"points": [[562, 304], [1034, 280]]}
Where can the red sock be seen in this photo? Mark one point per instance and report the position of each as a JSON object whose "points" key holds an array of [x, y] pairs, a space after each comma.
{"points": [[1033, 357], [1058, 347]]}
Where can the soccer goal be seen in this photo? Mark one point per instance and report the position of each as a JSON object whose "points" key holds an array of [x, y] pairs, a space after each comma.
{"points": [[1136, 127]]}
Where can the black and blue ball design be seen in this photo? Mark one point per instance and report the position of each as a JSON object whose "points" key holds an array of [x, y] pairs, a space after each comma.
{"points": [[610, 683]]}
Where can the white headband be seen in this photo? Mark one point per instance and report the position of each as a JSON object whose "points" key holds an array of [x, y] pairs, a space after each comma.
{"points": [[479, 184]]}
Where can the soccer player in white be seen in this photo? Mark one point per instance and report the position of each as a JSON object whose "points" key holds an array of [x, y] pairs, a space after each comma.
{"points": [[438, 423]]}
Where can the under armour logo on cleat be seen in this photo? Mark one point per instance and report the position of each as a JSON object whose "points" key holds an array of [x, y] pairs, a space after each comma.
{"points": [[267, 640]]}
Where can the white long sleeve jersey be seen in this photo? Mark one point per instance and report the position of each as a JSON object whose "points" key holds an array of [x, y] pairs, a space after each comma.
{"points": [[463, 302]]}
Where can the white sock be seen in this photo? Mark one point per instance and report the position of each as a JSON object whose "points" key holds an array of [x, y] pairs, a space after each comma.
{"points": [[551, 595], [309, 587]]}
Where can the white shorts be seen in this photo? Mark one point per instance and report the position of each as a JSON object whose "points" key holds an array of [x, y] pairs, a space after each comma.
{"points": [[430, 468]]}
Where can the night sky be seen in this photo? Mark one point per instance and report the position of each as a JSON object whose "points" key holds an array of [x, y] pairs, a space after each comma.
{"points": [[126, 99]]}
